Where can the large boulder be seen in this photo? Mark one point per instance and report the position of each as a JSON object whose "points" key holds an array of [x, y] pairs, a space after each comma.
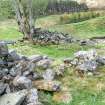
{"points": [[88, 66], [13, 98], [22, 81]]}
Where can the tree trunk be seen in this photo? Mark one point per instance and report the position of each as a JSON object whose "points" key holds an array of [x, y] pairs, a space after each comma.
{"points": [[25, 18]]}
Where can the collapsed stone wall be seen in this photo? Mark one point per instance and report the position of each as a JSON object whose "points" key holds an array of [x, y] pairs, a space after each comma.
{"points": [[20, 79], [48, 37], [86, 61]]}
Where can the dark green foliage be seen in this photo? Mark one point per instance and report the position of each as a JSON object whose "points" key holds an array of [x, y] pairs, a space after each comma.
{"points": [[62, 6]]}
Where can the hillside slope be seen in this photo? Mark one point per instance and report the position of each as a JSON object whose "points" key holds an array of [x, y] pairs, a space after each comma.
{"points": [[86, 29]]}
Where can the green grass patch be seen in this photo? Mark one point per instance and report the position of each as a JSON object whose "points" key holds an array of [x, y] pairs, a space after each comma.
{"points": [[9, 30], [55, 51]]}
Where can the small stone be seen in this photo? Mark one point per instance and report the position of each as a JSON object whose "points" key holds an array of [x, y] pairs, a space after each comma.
{"points": [[15, 71], [2, 88], [44, 64], [90, 74], [74, 62], [67, 60], [8, 90], [101, 60], [3, 49], [3, 63], [35, 58], [4, 71], [13, 54], [36, 76], [49, 74], [7, 78], [32, 97], [26, 73], [61, 70], [31, 66]]}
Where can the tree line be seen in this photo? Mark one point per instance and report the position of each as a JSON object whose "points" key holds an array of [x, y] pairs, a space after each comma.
{"points": [[50, 7]]}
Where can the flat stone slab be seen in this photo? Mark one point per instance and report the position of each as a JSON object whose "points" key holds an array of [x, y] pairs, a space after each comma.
{"points": [[47, 85], [13, 98]]}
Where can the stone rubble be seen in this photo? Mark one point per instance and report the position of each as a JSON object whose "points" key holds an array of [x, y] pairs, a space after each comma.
{"points": [[49, 74], [86, 61], [48, 37], [18, 72]]}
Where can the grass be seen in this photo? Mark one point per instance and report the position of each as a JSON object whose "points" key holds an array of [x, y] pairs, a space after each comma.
{"points": [[9, 30], [89, 90], [55, 51], [85, 29]]}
